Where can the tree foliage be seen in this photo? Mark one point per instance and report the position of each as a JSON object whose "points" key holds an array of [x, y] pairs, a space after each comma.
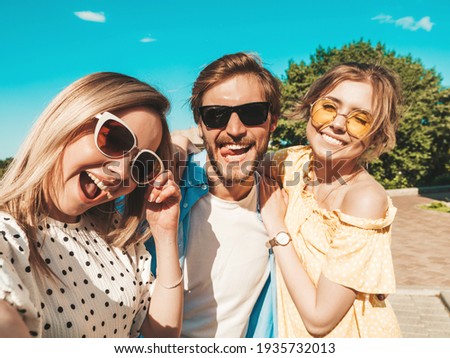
{"points": [[421, 156], [4, 165]]}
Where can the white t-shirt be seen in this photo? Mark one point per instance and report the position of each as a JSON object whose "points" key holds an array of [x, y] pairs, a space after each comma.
{"points": [[225, 268], [100, 290]]}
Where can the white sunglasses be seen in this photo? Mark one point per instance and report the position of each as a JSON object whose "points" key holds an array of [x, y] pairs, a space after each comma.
{"points": [[115, 139]]}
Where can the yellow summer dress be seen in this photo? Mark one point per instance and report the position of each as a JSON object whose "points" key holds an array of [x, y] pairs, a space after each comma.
{"points": [[354, 252]]}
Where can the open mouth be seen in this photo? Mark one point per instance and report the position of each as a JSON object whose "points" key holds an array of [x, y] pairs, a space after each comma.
{"points": [[92, 187], [234, 152]]}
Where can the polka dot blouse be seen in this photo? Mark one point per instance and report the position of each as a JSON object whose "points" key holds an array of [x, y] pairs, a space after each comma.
{"points": [[100, 291], [351, 251]]}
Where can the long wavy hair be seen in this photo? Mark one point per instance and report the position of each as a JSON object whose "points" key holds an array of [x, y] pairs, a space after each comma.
{"points": [[30, 183]]}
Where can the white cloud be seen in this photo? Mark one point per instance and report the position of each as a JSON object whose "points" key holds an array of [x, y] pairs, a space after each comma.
{"points": [[383, 18], [91, 16], [425, 23], [407, 22], [148, 39]]}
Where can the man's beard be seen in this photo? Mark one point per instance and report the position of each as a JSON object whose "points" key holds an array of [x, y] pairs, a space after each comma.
{"points": [[234, 173]]}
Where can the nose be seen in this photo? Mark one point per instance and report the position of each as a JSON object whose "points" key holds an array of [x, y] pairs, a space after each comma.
{"points": [[339, 123], [118, 169], [235, 128]]}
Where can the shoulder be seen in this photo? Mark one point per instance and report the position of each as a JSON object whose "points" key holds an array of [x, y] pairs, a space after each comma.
{"points": [[13, 240], [9, 227], [365, 199]]}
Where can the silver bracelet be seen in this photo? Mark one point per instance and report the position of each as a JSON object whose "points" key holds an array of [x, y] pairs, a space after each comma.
{"points": [[174, 285]]}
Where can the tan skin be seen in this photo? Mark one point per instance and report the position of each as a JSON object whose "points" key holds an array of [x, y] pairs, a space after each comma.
{"points": [[162, 212], [11, 324], [322, 307]]}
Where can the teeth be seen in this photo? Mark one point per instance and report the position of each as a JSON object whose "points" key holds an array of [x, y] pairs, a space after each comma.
{"points": [[331, 140], [236, 146], [100, 184]]}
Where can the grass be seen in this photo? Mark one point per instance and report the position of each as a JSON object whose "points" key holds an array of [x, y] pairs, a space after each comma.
{"points": [[437, 206]]}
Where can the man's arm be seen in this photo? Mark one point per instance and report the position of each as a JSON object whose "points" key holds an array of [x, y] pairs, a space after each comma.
{"points": [[182, 147]]}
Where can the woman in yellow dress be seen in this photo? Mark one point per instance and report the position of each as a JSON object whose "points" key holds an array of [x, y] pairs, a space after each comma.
{"points": [[331, 222]]}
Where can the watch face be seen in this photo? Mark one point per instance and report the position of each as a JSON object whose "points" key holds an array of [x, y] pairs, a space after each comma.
{"points": [[283, 238]]}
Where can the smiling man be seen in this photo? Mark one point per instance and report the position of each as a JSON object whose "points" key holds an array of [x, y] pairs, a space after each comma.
{"points": [[228, 286], [235, 124]]}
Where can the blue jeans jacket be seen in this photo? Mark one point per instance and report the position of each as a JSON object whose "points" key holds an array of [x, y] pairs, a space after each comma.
{"points": [[194, 185]]}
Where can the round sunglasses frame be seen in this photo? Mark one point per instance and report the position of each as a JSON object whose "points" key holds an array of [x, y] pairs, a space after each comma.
{"points": [[346, 116]]}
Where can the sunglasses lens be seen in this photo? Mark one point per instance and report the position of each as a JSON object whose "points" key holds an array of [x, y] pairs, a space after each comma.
{"points": [[253, 114], [146, 166], [215, 116], [323, 112], [250, 114], [114, 139], [358, 124]]}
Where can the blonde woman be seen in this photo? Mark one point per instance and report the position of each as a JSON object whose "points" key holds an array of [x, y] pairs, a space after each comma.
{"points": [[332, 241], [70, 265]]}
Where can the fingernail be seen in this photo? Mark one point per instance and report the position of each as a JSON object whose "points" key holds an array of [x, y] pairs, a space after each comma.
{"points": [[152, 197], [158, 200]]}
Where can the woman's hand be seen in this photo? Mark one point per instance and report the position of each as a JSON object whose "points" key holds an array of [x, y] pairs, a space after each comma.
{"points": [[163, 207], [274, 202]]}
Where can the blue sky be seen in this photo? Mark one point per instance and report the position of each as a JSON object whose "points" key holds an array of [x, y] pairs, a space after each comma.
{"points": [[46, 45]]}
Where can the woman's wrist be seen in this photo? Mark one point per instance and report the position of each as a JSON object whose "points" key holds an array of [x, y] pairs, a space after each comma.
{"points": [[165, 239], [275, 229], [172, 284]]}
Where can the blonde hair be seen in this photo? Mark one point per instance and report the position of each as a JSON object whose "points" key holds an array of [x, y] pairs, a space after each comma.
{"points": [[387, 100], [231, 65], [29, 184]]}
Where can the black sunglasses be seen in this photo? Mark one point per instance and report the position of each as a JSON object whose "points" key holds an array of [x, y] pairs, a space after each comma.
{"points": [[250, 114]]}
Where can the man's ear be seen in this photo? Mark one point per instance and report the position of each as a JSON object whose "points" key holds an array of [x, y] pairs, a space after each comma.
{"points": [[273, 124]]}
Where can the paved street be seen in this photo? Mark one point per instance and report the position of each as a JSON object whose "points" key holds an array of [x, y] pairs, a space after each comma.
{"points": [[421, 252]]}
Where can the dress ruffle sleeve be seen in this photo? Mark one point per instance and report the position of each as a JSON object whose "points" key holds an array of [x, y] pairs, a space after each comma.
{"points": [[15, 271], [360, 256]]}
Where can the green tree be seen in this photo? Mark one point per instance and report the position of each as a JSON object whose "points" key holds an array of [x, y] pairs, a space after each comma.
{"points": [[4, 165], [422, 155]]}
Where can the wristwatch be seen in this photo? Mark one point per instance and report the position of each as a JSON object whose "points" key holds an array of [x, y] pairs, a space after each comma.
{"points": [[281, 239]]}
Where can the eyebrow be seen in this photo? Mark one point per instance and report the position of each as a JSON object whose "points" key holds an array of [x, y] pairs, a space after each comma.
{"points": [[334, 99], [338, 101]]}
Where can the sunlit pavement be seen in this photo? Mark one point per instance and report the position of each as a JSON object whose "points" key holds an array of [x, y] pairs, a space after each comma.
{"points": [[421, 253]]}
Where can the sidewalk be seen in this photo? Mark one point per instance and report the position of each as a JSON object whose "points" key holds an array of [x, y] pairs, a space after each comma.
{"points": [[421, 253]]}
